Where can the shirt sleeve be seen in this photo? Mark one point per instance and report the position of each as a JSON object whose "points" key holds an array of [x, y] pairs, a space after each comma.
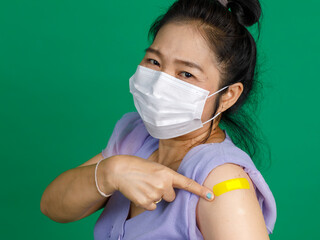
{"points": [[127, 137], [265, 198]]}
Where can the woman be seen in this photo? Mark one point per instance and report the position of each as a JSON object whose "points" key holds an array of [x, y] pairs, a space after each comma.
{"points": [[155, 177]]}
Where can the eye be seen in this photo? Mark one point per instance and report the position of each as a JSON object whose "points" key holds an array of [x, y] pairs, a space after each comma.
{"points": [[187, 75], [154, 62]]}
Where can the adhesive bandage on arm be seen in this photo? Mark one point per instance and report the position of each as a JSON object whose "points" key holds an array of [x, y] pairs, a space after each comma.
{"points": [[229, 185]]}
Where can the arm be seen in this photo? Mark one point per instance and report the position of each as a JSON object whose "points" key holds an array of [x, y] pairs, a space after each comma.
{"points": [[73, 194], [234, 215]]}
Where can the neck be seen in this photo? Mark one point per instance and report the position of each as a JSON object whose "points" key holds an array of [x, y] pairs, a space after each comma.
{"points": [[172, 151]]}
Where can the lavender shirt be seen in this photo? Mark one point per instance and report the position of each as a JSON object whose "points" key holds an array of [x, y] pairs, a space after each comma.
{"points": [[177, 219]]}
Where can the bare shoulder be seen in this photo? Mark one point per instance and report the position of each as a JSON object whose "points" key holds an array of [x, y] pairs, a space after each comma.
{"points": [[233, 215]]}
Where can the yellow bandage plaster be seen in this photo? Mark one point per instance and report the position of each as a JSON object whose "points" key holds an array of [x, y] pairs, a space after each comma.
{"points": [[229, 185]]}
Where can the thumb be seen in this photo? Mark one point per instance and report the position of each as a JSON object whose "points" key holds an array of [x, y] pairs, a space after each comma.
{"points": [[188, 184]]}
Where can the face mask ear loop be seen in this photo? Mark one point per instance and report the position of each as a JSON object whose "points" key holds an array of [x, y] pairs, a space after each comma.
{"points": [[211, 96], [218, 91], [211, 118]]}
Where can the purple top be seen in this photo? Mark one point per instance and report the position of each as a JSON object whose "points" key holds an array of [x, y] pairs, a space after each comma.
{"points": [[177, 219]]}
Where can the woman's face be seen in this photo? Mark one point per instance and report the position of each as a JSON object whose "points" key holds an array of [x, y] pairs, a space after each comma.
{"points": [[181, 51]]}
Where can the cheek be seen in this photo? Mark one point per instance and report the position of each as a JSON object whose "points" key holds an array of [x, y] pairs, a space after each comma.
{"points": [[208, 109]]}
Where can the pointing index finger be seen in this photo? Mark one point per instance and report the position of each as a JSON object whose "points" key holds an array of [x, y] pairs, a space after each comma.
{"points": [[188, 184]]}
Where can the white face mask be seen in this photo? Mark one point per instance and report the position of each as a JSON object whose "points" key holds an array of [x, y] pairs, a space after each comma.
{"points": [[168, 106]]}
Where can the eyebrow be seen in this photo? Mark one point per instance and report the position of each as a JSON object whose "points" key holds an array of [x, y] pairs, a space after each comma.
{"points": [[186, 63]]}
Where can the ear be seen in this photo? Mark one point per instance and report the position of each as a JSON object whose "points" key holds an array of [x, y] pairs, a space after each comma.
{"points": [[231, 96]]}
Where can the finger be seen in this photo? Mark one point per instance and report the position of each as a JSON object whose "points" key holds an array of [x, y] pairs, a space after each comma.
{"points": [[169, 195], [152, 206], [182, 182]]}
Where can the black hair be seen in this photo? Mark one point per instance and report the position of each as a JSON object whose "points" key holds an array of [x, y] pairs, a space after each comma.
{"points": [[224, 29]]}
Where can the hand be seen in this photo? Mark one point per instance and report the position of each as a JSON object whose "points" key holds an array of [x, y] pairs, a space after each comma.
{"points": [[144, 182]]}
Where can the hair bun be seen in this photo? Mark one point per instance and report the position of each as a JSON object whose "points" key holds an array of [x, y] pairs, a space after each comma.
{"points": [[247, 11]]}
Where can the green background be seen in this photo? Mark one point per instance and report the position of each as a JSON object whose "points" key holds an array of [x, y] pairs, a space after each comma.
{"points": [[64, 70]]}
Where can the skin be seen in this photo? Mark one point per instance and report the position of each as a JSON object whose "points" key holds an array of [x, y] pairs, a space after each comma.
{"points": [[234, 215]]}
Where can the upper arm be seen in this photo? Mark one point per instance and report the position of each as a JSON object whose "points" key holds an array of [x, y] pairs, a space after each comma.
{"points": [[234, 215]]}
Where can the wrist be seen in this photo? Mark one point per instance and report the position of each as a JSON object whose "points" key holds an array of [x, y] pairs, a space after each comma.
{"points": [[106, 177]]}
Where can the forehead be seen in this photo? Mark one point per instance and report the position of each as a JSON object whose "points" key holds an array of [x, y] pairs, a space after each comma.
{"points": [[184, 41]]}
